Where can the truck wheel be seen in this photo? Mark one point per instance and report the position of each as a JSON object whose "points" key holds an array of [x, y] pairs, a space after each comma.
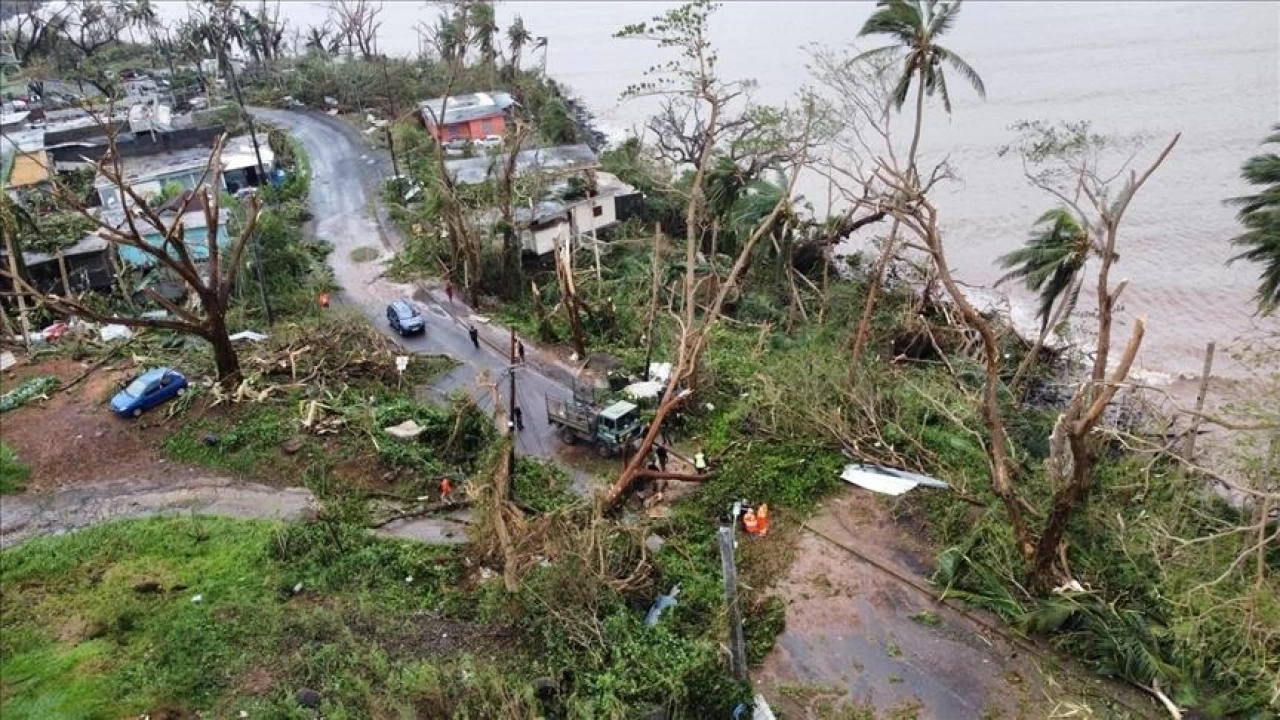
{"points": [[567, 437], [604, 451]]}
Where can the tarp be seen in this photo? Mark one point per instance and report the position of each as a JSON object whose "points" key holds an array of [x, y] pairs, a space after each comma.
{"points": [[888, 481], [643, 390], [406, 430]]}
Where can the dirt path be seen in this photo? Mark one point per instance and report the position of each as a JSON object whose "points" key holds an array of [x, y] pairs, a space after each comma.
{"points": [[857, 635], [73, 508]]}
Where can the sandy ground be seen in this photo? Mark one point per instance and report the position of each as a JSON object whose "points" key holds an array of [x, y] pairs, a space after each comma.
{"points": [[857, 635]]}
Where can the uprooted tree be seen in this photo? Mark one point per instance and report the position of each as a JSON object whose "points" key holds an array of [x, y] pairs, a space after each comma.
{"points": [[700, 110], [209, 280]]}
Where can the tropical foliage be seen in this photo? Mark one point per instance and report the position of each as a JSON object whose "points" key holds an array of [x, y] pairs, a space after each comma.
{"points": [[1260, 215], [1051, 261]]}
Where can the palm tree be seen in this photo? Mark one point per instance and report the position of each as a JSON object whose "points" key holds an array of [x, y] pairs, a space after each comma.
{"points": [[1260, 215], [1051, 260], [1050, 264], [914, 26], [483, 21], [517, 37]]}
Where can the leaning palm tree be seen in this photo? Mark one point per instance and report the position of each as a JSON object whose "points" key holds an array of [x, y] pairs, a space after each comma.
{"points": [[1260, 215], [1049, 265], [914, 26], [1051, 261]]}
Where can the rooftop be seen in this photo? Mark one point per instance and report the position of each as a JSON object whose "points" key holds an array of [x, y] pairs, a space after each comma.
{"points": [[461, 108], [29, 168], [551, 161], [237, 154], [88, 244]]}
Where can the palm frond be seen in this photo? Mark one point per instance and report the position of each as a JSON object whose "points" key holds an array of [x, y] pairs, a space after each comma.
{"points": [[944, 17], [1260, 216], [966, 71], [897, 19]]}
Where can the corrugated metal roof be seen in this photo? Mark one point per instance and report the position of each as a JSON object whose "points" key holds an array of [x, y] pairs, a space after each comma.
{"points": [[552, 160], [461, 108]]}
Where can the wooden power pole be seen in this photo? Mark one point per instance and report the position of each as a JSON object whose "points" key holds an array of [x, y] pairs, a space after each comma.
{"points": [[737, 644]]}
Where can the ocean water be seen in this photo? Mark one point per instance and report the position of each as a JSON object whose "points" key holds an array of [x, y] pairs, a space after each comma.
{"points": [[1208, 70]]}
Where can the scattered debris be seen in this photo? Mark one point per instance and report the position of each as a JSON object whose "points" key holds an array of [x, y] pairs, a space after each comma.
{"points": [[29, 390], [197, 598], [660, 605], [1069, 586], [155, 314], [643, 390], [654, 543], [407, 430], [114, 332], [330, 101], [660, 372], [297, 588], [211, 439], [146, 587], [888, 481], [248, 335], [7, 360], [55, 331]]}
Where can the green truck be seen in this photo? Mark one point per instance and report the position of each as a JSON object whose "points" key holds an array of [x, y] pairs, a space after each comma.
{"points": [[610, 428]]}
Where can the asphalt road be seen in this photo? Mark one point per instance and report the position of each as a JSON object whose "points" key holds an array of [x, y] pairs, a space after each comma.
{"points": [[346, 178]]}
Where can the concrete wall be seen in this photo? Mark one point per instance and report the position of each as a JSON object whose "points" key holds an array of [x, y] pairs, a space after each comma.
{"points": [[542, 240], [594, 213]]}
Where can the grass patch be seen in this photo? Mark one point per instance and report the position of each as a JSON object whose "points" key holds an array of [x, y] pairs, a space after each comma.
{"points": [[102, 623], [13, 474]]}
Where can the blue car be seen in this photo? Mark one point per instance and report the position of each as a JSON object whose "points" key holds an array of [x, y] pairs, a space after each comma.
{"points": [[147, 391]]}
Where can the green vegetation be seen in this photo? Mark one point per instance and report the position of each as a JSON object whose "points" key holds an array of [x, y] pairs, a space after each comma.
{"points": [[13, 474], [201, 614], [1260, 216]]}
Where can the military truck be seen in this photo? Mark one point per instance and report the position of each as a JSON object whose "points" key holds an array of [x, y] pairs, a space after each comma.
{"points": [[609, 428]]}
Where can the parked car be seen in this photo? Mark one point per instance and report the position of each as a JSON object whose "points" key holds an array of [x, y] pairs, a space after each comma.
{"points": [[148, 390], [405, 318], [489, 142], [457, 144]]}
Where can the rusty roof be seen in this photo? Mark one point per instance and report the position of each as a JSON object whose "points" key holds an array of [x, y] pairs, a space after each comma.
{"points": [[29, 168]]}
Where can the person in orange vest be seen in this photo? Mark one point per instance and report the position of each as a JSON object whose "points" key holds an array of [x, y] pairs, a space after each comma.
{"points": [[324, 300], [446, 490], [762, 520]]}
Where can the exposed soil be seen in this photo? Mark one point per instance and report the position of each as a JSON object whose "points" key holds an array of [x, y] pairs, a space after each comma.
{"points": [[855, 634], [72, 437]]}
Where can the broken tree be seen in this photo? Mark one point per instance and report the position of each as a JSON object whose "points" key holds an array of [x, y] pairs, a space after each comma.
{"points": [[210, 279]]}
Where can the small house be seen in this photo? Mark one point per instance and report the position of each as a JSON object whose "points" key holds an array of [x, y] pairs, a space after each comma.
{"points": [[86, 265], [148, 175], [467, 117], [195, 237], [566, 210]]}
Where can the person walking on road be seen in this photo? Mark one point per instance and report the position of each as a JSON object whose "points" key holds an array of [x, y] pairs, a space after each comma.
{"points": [[475, 335], [448, 292], [520, 351], [519, 415], [662, 457]]}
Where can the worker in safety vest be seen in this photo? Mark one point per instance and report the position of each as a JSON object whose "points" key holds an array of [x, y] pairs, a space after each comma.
{"points": [[324, 300], [762, 520]]}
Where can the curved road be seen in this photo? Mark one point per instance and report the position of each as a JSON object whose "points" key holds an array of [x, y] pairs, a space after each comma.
{"points": [[347, 176]]}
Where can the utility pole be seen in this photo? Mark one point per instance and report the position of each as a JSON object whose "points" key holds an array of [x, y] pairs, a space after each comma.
{"points": [[511, 426], [257, 153], [737, 643], [395, 112]]}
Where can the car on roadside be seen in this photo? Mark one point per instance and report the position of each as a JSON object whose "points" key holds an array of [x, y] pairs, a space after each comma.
{"points": [[148, 390], [490, 142], [405, 319], [456, 145]]}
